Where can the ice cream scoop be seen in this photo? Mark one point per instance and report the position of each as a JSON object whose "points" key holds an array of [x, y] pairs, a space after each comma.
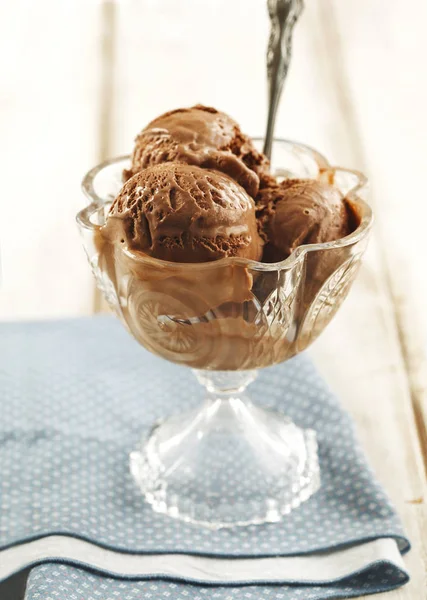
{"points": [[183, 213], [200, 136], [300, 211]]}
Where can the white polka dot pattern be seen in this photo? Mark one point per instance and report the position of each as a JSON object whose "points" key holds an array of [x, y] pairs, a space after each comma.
{"points": [[76, 397], [61, 582]]}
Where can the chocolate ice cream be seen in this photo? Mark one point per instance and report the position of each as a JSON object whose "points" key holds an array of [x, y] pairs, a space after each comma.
{"points": [[183, 213], [300, 211], [200, 136]]}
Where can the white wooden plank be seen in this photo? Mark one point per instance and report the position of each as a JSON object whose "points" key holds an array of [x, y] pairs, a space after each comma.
{"points": [[389, 100], [50, 55], [369, 370], [173, 54], [169, 55]]}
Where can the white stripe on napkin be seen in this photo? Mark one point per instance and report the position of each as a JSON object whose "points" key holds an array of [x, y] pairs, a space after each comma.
{"points": [[321, 567]]}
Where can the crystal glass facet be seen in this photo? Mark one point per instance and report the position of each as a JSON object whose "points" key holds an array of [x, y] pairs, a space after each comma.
{"points": [[229, 462]]}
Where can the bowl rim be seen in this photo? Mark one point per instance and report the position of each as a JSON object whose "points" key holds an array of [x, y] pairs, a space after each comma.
{"points": [[83, 219]]}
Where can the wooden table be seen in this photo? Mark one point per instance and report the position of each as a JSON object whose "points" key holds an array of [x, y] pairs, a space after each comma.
{"points": [[79, 79]]}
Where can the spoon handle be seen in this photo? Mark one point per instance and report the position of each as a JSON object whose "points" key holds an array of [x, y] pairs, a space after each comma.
{"points": [[283, 16]]}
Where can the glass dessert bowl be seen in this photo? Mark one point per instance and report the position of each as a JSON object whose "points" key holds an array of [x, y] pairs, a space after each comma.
{"points": [[226, 319]]}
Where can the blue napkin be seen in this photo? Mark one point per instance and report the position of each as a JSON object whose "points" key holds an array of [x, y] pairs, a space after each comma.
{"points": [[76, 396]]}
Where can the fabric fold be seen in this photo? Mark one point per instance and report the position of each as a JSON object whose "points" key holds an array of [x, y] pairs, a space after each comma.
{"points": [[316, 568]]}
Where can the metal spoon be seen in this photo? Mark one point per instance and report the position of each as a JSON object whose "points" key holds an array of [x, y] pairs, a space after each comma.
{"points": [[283, 16]]}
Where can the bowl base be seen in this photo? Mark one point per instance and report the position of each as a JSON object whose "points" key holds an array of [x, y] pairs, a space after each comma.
{"points": [[227, 464]]}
